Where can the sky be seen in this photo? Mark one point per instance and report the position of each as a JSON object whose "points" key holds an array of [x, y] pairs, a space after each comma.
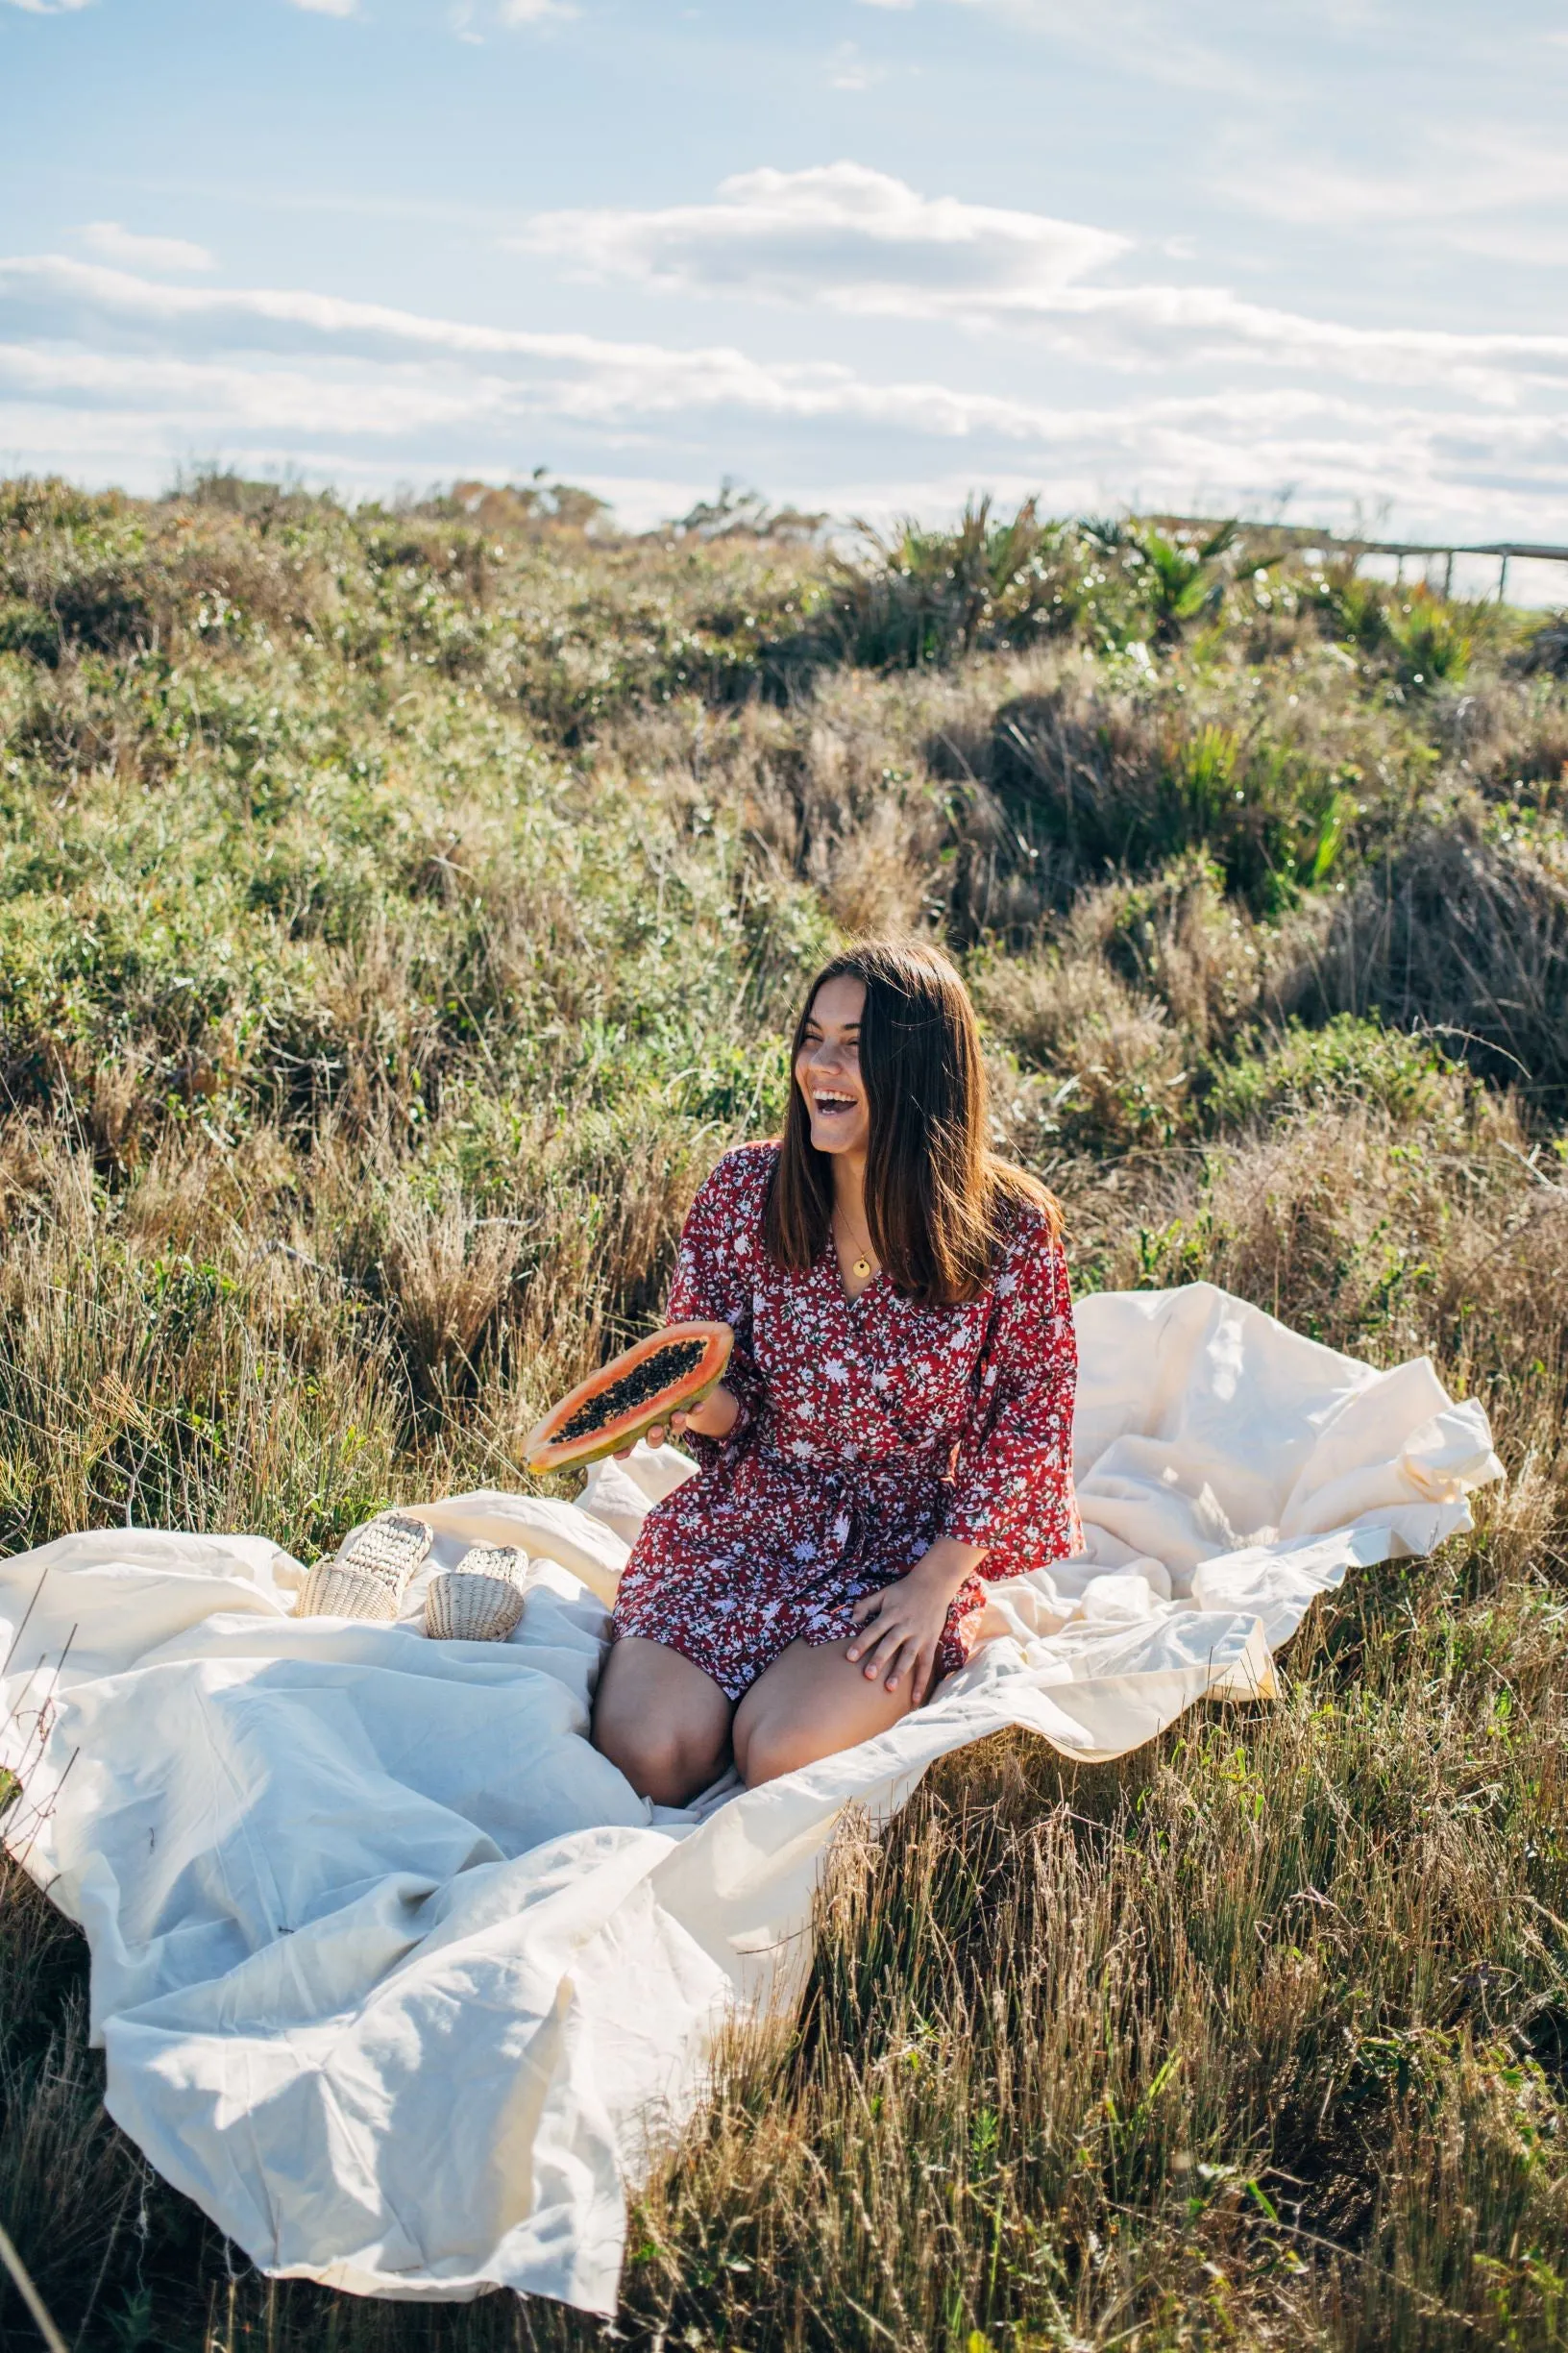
{"points": [[1308, 258]]}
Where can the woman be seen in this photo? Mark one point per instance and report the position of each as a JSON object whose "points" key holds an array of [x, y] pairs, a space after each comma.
{"points": [[895, 1420]]}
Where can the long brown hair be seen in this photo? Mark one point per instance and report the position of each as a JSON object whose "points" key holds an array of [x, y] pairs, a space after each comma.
{"points": [[940, 1205]]}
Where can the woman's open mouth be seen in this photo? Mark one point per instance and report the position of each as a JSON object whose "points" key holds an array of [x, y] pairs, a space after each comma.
{"points": [[828, 1105]]}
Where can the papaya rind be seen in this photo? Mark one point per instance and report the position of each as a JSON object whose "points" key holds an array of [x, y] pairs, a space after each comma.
{"points": [[541, 1455]]}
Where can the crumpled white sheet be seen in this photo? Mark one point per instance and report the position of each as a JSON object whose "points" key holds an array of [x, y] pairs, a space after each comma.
{"points": [[396, 1977]]}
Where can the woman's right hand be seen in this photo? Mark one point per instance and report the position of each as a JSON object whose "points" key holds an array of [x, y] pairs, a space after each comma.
{"points": [[713, 1419]]}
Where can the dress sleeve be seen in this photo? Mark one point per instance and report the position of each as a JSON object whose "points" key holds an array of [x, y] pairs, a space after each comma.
{"points": [[715, 1268], [1012, 1487]]}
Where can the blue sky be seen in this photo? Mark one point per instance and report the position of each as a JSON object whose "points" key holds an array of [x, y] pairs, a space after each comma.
{"points": [[1310, 254]]}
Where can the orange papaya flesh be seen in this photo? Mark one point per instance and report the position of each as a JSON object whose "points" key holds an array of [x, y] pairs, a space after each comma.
{"points": [[669, 1372]]}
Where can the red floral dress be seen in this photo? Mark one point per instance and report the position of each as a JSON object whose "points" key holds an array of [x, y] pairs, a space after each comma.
{"points": [[867, 1429]]}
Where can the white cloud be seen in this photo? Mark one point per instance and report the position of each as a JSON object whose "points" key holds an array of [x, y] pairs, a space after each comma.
{"points": [[1147, 40], [1543, 248], [50, 8], [1329, 51], [1218, 450], [535, 12], [1132, 328], [1153, 326], [97, 360], [117, 244], [849, 238], [272, 374], [328, 8], [1461, 173], [848, 70], [839, 233]]}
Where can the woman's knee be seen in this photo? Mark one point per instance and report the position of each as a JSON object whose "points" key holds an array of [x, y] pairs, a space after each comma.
{"points": [[771, 1745], [661, 1721], [768, 1761], [662, 1763]]}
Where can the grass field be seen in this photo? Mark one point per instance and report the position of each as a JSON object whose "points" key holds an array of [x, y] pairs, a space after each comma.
{"points": [[399, 911]]}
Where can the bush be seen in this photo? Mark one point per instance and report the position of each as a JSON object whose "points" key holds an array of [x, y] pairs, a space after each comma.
{"points": [[1127, 784], [1431, 648], [1463, 934], [1546, 650], [1181, 580], [928, 596], [1352, 610], [1347, 1062]]}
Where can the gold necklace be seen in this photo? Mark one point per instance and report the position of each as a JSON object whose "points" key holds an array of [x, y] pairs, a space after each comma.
{"points": [[864, 1266]]}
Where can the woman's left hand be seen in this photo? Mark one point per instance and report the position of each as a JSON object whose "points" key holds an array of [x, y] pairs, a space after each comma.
{"points": [[901, 1627], [713, 1419]]}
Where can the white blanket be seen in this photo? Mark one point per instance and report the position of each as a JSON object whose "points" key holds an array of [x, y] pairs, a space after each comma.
{"points": [[394, 1975]]}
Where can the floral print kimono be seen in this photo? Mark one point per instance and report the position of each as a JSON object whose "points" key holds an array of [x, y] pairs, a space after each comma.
{"points": [[867, 1429]]}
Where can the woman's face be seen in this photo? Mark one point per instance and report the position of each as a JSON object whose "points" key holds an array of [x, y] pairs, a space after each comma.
{"points": [[828, 1068]]}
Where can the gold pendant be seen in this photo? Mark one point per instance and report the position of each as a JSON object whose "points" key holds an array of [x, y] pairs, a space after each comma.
{"points": [[862, 1267]]}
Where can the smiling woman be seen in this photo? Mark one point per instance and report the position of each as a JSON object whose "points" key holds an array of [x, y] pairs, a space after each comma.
{"points": [[895, 1421]]}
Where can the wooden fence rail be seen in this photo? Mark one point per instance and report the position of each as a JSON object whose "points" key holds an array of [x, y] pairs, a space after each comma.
{"points": [[1503, 549], [1302, 535]]}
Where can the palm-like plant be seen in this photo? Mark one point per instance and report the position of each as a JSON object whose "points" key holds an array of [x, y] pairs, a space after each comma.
{"points": [[930, 596], [1355, 611], [1432, 644], [1182, 582]]}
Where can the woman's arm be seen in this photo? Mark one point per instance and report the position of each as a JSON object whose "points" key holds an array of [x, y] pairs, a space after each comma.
{"points": [[1011, 1490], [712, 1284]]}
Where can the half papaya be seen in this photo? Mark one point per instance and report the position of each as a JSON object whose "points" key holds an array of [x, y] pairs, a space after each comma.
{"points": [[668, 1373]]}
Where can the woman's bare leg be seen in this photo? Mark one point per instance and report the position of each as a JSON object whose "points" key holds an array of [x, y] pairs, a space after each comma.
{"points": [[661, 1720], [810, 1702]]}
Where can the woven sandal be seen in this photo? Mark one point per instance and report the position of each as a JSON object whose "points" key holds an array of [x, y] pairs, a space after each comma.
{"points": [[479, 1601], [368, 1577], [390, 1549], [332, 1591]]}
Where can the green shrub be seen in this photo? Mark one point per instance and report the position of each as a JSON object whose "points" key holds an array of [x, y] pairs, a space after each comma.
{"points": [[1546, 650], [25, 629], [1430, 646], [1182, 581], [1348, 1060], [1464, 935], [923, 596], [1130, 784], [1352, 610]]}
